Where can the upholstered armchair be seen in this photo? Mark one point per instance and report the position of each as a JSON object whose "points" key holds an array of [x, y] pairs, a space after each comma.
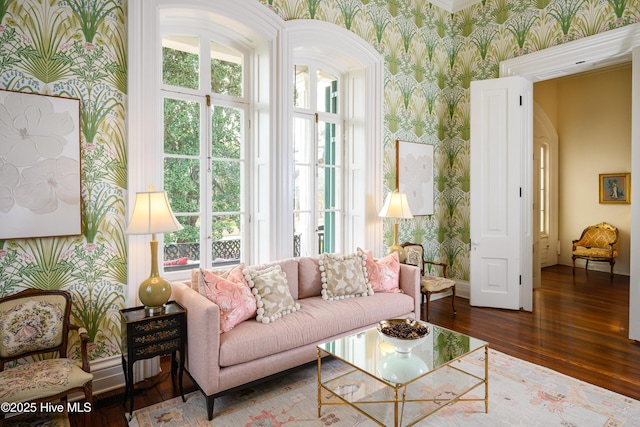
{"points": [[34, 330], [429, 284], [597, 243]]}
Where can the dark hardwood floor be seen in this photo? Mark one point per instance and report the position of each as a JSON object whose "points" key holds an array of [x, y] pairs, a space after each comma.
{"points": [[579, 327]]}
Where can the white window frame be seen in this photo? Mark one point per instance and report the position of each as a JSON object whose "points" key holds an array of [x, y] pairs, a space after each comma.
{"points": [[274, 43], [205, 157], [316, 116], [361, 70]]}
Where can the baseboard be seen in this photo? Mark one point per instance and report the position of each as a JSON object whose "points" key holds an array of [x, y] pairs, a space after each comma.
{"points": [[107, 374]]}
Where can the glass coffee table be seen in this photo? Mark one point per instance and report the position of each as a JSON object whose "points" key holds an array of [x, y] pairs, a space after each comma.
{"points": [[401, 389]]}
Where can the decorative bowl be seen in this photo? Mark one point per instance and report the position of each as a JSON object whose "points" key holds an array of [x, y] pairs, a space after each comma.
{"points": [[403, 334]]}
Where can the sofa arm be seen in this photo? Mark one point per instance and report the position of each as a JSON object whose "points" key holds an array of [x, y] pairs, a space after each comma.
{"points": [[409, 283], [203, 336]]}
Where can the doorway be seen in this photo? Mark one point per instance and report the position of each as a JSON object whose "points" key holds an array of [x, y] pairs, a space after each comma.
{"points": [[615, 46]]}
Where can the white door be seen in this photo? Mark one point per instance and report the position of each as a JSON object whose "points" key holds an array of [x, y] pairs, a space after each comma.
{"points": [[501, 186]]}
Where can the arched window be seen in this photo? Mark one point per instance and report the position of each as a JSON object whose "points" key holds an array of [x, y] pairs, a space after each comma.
{"points": [[211, 119], [205, 99]]}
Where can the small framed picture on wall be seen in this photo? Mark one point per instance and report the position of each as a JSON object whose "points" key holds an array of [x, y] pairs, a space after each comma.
{"points": [[615, 188]]}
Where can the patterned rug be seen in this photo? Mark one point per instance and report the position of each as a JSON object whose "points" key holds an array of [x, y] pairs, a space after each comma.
{"points": [[520, 394]]}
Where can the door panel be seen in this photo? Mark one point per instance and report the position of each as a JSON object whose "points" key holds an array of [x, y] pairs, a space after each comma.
{"points": [[499, 224]]}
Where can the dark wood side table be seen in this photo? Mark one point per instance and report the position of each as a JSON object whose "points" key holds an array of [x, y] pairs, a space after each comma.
{"points": [[145, 336]]}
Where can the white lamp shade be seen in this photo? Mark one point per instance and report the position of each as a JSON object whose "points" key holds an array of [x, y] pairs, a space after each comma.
{"points": [[396, 206], [152, 214]]}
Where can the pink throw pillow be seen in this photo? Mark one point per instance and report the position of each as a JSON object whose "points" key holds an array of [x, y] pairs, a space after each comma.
{"points": [[232, 294], [384, 273]]}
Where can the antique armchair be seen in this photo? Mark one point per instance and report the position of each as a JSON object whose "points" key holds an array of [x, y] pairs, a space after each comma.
{"points": [[429, 284], [597, 243], [34, 329]]}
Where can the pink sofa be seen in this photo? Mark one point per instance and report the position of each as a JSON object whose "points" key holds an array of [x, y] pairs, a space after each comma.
{"points": [[222, 362]]}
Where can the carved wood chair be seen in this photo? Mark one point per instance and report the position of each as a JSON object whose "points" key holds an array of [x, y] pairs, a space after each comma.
{"points": [[597, 243], [429, 284], [34, 332]]}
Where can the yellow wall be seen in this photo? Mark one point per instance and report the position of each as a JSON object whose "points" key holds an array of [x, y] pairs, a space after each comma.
{"points": [[592, 115]]}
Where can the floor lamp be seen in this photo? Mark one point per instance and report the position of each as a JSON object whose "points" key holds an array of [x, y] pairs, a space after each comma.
{"points": [[396, 206], [152, 214]]}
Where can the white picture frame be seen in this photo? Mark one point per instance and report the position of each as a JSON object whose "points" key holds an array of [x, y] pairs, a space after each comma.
{"points": [[40, 194], [414, 175]]}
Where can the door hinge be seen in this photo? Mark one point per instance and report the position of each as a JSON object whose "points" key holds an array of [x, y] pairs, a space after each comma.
{"points": [[208, 100], [521, 280], [521, 100], [520, 191]]}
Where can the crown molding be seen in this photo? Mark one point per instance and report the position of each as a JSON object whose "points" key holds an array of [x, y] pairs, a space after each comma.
{"points": [[453, 6]]}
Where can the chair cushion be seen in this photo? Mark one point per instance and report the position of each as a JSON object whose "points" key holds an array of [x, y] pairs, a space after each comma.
{"points": [[594, 253], [40, 379], [435, 284]]}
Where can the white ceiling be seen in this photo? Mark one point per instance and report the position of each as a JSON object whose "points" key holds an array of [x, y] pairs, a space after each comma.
{"points": [[453, 6]]}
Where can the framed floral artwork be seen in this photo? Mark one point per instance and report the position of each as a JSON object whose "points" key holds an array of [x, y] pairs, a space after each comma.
{"points": [[39, 166], [414, 175], [615, 188]]}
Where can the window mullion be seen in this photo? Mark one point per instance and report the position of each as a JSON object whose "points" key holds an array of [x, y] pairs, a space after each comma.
{"points": [[205, 185]]}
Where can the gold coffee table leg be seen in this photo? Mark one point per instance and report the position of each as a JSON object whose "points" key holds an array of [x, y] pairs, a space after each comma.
{"points": [[319, 383], [486, 379]]}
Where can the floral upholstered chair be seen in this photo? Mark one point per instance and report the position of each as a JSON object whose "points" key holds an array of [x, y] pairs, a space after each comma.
{"points": [[34, 329], [597, 243], [429, 284]]}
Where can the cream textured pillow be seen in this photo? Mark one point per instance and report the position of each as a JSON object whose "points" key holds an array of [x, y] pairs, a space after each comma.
{"points": [[344, 276], [272, 293]]}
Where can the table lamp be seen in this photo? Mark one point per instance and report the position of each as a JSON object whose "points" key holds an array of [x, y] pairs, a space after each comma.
{"points": [[152, 214], [396, 206]]}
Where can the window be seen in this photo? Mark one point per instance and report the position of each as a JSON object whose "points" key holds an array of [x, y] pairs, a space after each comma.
{"points": [[543, 199], [204, 119], [318, 153], [178, 103]]}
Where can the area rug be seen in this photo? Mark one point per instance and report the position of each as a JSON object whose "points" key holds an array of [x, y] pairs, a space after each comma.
{"points": [[520, 394]]}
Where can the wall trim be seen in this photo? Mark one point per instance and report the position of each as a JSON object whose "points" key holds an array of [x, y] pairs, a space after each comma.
{"points": [[107, 374], [604, 49]]}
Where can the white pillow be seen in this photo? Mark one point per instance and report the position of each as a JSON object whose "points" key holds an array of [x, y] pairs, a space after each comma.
{"points": [[344, 276], [272, 293]]}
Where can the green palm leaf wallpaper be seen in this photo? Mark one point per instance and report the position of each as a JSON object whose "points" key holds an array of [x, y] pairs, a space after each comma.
{"points": [[77, 48]]}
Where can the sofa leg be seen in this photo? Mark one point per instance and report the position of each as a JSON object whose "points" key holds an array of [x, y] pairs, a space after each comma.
{"points": [[209, 408]]}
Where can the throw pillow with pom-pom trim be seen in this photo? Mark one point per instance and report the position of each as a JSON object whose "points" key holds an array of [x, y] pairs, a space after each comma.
{"points": [[271, 290], [344, 276]]}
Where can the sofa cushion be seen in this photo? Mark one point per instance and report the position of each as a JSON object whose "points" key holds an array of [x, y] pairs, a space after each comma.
{"points": [[314, 323], [289, 267], [232, 294], [344, 276], [309, 283], [272, 293], [383, 273]]}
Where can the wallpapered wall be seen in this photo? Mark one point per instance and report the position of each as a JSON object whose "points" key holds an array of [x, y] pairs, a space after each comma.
{"points": [[77, 48]]}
